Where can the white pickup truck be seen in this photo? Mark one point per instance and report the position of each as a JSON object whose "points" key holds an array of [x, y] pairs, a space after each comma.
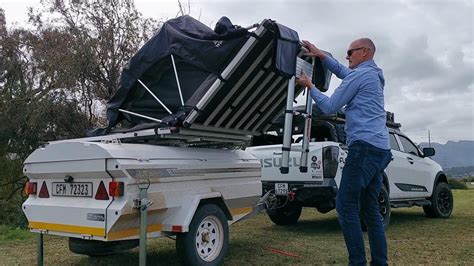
{"points": [[411, 178]]}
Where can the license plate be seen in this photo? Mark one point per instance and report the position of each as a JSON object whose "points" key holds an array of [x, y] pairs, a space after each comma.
{"points": [[77, 189], [281, 189]]}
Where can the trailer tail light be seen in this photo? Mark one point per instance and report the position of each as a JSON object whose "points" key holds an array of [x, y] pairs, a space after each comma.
{"points": [[101, 192], [330, 163], [177, 228], [116, 189], [30, 188], [43, 191]]}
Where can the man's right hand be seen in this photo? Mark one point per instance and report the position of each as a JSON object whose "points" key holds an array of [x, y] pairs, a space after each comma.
{"points": [[313, 51], [304, 81]]}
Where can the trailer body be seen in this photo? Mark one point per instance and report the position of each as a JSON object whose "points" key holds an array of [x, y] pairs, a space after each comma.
{"points": [[180, 179]]}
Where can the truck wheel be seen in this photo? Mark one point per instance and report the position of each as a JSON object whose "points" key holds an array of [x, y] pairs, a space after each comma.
{"points": [[287, 215], [384, 207], [208, 237], [100, 248], [441, 202]]}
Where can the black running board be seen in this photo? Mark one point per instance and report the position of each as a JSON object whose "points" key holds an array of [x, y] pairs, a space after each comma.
{"points": [[410, 203]]}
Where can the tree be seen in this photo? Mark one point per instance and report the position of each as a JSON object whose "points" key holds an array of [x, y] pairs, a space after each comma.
{"points": [[99, 39], [32, 110], [55, 77]]}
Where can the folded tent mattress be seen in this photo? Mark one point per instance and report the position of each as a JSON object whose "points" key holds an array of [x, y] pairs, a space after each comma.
{"points": [[227, 80]]}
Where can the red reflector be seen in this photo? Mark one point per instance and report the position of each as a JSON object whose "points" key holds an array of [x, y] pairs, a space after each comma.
{"points": [[177, 228], [101, 192], [44, 191], [116, 189], [30, 188]]}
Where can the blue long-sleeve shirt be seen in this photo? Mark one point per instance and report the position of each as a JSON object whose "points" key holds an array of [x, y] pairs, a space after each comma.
{"points": [[361, 91]]}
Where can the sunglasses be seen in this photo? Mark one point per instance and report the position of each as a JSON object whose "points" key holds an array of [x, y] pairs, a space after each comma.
{"points": [[349, 52]]}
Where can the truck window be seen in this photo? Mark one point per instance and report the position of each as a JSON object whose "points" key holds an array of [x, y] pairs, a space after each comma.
{"points": [[394, 143], [321, 132], [408, 146]]}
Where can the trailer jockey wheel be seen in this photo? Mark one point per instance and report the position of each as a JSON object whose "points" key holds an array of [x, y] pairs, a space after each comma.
{"points": [[208, 237]]}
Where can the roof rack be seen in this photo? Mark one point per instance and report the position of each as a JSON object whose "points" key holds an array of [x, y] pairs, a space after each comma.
{"points": [[170, 136]]}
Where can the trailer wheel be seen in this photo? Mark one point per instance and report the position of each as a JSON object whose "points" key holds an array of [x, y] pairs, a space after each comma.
{"points": [[289, 214], [208, 237], [100, 248]]}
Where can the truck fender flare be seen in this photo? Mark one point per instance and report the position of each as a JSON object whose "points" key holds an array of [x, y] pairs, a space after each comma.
{"points": [[440, 177]]}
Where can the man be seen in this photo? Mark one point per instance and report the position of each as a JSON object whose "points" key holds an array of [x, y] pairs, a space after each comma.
{"points": [[361, 91]]}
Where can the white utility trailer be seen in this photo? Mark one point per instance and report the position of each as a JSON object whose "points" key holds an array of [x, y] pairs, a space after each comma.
{"points": [[89, 191], [195, 97]]}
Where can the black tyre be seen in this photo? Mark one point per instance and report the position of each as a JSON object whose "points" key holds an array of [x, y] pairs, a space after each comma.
{"points": [[384, 207], [207, 241], [100, 248], [441, 202], [289, 214]]}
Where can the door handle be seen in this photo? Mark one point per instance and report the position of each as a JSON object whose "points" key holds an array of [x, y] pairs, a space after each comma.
{"points": [[410, 160]]}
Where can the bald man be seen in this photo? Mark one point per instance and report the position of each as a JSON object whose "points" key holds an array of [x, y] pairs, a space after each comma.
{"points": [[361, 91]]}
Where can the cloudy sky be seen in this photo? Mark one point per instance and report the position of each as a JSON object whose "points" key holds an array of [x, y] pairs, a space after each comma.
{"points": [[426, 48]]}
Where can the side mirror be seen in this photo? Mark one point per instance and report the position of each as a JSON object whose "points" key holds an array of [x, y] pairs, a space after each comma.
{"points": [[428, 152]]}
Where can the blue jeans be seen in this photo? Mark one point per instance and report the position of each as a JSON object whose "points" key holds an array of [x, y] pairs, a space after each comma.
{"points": [[361, 184]]}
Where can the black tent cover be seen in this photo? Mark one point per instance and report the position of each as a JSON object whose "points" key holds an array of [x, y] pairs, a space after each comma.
{"points": [[200, 54]]}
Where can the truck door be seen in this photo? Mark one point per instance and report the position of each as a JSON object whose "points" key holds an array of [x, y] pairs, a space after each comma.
{"points": [[407, 171]]}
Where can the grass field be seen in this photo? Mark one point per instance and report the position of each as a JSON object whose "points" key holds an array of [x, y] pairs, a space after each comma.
{"points": [[316, 239]]}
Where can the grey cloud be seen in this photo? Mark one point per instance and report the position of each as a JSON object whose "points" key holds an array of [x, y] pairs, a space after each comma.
{"points": [[411, 60]]}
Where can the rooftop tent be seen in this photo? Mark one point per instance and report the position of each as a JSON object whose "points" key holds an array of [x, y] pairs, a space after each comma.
{"points": [[199, 54], [228, 79]]}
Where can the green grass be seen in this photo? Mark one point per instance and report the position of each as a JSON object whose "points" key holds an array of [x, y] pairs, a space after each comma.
{"points": [[316, 239], [9, 234]]}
